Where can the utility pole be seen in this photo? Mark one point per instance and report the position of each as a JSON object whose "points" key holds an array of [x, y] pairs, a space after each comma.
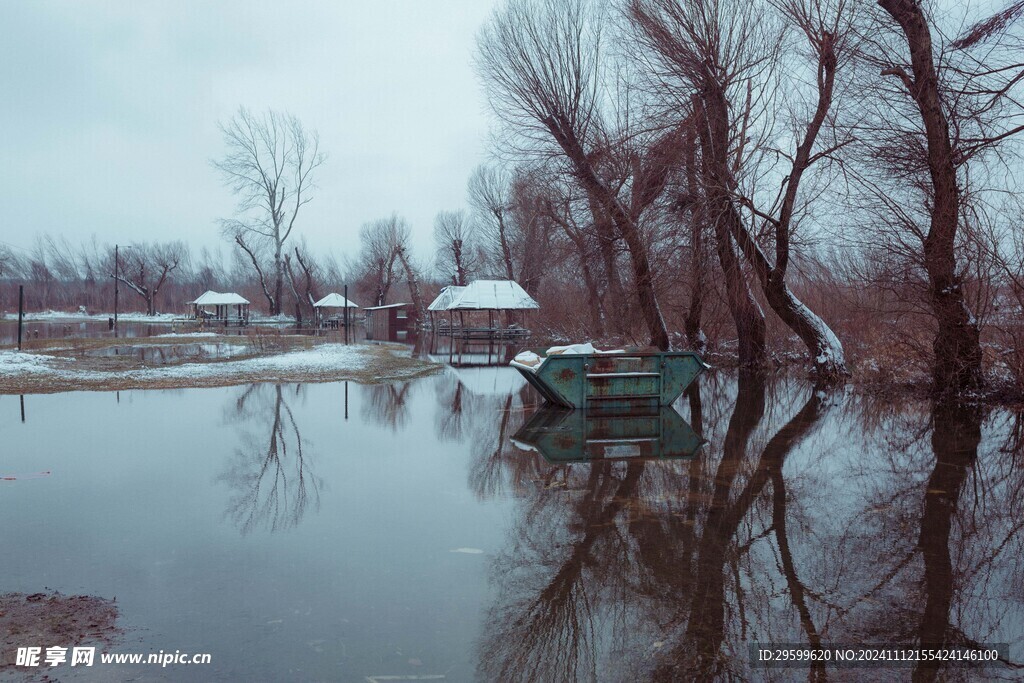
{"points": [[117, 265], [116, 261]]}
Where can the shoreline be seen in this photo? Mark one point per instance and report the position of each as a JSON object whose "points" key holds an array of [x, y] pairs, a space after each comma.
{"points": [[47, 371]]}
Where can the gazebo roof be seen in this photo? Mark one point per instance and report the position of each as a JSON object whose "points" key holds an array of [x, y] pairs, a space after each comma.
{"points": [[495, 295], [334, 300], [381, 308], [445, 298], [212, 298]]}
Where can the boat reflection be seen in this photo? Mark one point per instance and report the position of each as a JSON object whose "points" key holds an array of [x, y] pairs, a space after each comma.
{"points": [[564, 436]]}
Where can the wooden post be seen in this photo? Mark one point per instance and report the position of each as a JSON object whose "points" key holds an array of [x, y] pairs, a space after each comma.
{"points": [[116, 261], [346, 321], [21, 312]]}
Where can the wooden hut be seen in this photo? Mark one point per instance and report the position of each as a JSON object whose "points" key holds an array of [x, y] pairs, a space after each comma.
{"points": [[387, 323]]}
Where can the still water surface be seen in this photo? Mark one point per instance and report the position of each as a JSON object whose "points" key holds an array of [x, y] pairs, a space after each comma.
{"points": [[297, 535]]}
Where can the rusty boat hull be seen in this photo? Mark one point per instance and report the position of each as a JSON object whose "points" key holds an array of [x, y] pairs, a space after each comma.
{"points": [[646, 379]]}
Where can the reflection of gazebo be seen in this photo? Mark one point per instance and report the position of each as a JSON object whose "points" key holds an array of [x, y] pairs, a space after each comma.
{"points": [[333, 301], [493, 296], [488, 381], [227, 308]]}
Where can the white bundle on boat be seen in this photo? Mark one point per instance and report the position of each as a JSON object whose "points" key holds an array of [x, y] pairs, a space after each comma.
{"points": [[528, 360]]}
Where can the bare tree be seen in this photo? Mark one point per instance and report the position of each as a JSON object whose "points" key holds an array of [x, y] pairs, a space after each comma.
{"points": [[145, 268], [453, 237], [561, 211], [533, 228], [692, 200], [377, 260], [963, 104], [489, 197], [269, 164], [540, 61], [725, 53], [713, 49], [385, 258]]}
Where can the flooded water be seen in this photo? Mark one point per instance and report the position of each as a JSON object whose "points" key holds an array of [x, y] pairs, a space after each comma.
{"points": [[442, 528], [34, 330], [61, 329], [170, 353]]}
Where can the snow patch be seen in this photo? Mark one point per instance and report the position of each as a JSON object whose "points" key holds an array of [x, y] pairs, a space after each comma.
{"points": [[188, 334], [325, 359], [18, 362]]}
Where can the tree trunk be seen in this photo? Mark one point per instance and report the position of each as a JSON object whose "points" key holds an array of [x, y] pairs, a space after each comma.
{"points": [[506, 251], [643, 275], [693, 323], [289, 271], [275, 305], [460, 269], [259, 271], [828, 358], [746, 313], [593, 301], [606, 244], [414, 286], [957, 346]]}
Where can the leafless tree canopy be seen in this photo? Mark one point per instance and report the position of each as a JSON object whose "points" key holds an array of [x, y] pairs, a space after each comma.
{"points": [[454, 237], [270, 165], [144, 268]]}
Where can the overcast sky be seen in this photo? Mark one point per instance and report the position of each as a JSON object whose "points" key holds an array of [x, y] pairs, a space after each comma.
{"points": [[110, 112]]}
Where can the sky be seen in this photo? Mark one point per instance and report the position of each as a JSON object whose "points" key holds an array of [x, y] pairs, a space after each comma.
{"points": [[111, 111]]}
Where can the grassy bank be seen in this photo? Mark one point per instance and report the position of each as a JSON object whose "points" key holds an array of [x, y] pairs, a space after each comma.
{"points": [[91, 364]]}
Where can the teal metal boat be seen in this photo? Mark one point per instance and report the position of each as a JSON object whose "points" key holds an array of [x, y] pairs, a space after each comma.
{"points": [[564, 436], [635, 379]]}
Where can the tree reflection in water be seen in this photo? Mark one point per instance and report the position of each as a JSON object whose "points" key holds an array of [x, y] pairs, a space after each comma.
{"points": [[273, 485], [667, 570], [388, 405]]}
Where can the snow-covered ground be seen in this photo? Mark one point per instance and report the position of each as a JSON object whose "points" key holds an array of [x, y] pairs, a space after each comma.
{"points": [[321, 360], [185, 334], [78, 316], [134, 317], [19, 363]]}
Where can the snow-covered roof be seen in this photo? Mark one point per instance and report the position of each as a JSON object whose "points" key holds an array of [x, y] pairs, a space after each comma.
{"points": [[445, 298], [380, 308], [333, 300], [483, 295], [212, 298]]}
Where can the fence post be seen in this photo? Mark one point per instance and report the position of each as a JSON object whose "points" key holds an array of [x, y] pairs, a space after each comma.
{"points": [[21, 311]]}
